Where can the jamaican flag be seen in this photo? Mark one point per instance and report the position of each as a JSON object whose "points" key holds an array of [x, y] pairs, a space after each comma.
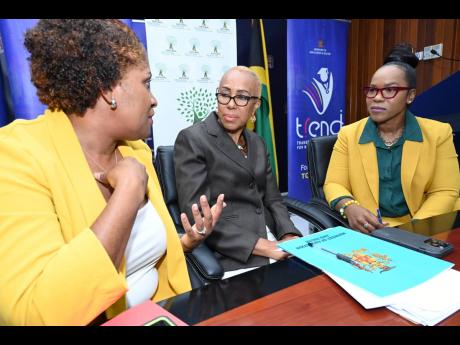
{"points": [[264, 115]]}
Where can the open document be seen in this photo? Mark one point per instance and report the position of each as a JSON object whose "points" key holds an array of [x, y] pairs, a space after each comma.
{"points": [[377, 273]]}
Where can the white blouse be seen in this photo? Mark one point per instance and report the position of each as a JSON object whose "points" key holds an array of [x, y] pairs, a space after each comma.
{"points": [[146, 245]]}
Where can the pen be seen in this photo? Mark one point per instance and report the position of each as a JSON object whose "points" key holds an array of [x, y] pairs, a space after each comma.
{"points": [[379, 216]]}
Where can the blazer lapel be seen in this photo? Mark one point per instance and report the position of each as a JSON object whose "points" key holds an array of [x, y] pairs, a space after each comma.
{"points": [[76, 167], [409, 160], [225, 144], [252, 159], [370, 166]]}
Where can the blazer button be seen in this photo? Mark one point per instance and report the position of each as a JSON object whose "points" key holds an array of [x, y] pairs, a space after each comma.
{"points": [[251, 185], [258, 211]]}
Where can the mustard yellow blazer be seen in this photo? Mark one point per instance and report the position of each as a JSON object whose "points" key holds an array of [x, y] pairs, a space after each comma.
{"points": [[430, 175], [54, 270]]}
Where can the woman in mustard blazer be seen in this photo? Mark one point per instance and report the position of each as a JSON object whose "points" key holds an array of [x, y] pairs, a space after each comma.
{"points": [[78, 189], [403, 165]]}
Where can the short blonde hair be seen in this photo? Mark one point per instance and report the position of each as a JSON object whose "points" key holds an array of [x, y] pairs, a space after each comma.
{"points": [[246, 70]]}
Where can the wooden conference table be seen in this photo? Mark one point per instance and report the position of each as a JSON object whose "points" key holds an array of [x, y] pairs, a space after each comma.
{"points": [[294, 293]]}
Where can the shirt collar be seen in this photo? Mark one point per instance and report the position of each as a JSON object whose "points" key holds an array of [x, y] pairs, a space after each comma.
{"points": [[412, 130]]}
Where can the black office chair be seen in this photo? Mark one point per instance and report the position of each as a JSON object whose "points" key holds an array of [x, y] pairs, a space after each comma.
{"points": [[203, 266], [317, 210], [319, 152]]}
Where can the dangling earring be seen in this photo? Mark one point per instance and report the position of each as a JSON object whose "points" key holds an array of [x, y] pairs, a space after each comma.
{"points": [[113, 104], [253, 118]]}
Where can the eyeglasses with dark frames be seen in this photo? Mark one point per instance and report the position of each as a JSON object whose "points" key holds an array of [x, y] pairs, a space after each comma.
{"points": [[386, 92], [240, 100]]}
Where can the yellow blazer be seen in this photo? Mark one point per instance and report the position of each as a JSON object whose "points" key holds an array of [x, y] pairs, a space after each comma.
{"points": [[54, 270], [430, 175]]}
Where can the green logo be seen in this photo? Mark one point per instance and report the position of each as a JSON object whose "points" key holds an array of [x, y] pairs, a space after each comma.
{"points": [[171, 43], [196, 104]]}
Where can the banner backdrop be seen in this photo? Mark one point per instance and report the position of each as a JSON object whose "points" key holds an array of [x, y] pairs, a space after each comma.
{"points": [[316, 75], [4, 113], [18, 96], [24, 100], [187, 58]]}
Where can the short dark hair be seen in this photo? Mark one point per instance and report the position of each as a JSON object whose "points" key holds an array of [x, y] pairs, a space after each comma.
{"points": [[403, 57], [73, 60]]}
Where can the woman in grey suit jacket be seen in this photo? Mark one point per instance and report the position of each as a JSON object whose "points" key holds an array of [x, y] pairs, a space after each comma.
{"points": [[219, 155]]}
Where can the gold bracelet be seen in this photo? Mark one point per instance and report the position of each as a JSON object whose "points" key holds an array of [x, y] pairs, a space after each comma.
{"points": [[345, 205]]}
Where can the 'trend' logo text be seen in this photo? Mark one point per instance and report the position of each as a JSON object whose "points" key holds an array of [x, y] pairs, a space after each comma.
{"points": [[314, 129]]}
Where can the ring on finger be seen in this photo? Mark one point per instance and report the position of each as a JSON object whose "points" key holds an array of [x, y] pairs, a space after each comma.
{"points": [[202, 231], [366, 225]]}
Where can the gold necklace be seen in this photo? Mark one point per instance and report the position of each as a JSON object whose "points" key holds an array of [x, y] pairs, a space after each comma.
{"points": [[242, 147], [390, 142], [98, 165]]}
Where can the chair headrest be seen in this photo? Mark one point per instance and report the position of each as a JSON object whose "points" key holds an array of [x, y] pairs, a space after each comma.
{"points": [[164, 165], [319, 151]]}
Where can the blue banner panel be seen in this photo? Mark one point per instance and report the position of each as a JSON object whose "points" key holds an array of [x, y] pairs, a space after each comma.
{"points": [[4, 118], [138, 27], [25, 102], [316, 76]]}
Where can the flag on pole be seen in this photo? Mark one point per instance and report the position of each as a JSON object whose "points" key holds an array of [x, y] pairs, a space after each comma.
{"points": [[264, 115]]}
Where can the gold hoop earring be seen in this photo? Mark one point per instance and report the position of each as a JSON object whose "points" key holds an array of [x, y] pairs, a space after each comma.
{"points": [[113, 104]]}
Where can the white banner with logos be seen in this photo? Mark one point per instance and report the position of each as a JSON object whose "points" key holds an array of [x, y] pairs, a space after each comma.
{"points": [[187, 58]]}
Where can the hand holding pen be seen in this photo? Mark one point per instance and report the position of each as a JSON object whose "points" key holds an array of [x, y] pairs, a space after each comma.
{"points": [[379, 216], [373, 222], [363, 220]]}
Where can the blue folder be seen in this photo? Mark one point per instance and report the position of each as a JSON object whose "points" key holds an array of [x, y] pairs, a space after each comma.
{"points": [[377, 266]]}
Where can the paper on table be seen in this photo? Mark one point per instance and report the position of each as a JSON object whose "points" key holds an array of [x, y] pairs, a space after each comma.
{"points": [[428, 303], [367, 299], [422, 317], [436, 294]]}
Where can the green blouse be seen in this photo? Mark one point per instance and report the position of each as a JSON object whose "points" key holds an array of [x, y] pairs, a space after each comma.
{"points": [[391, 198]]}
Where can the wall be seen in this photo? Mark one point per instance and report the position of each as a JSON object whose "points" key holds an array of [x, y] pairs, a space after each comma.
{"points": [[371, 39]]}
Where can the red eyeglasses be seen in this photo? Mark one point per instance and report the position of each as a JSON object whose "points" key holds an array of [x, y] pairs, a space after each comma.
{"points": [[386, 92]]}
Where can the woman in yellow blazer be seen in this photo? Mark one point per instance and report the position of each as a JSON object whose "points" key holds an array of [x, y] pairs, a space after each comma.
{"points": [[73, 182], [403, 165]]}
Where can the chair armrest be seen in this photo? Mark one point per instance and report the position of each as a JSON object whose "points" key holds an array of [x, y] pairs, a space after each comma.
{"points": [[203, 261], [203, 267], [322, 205], [317, 213]]}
